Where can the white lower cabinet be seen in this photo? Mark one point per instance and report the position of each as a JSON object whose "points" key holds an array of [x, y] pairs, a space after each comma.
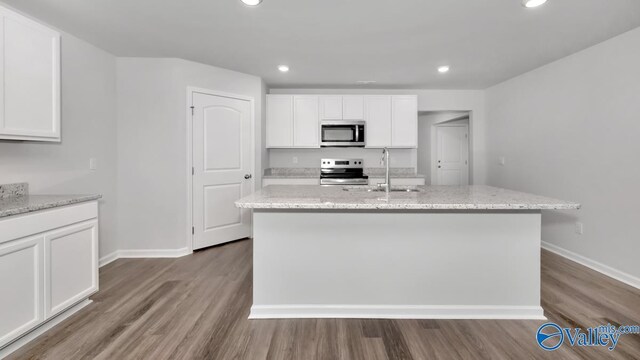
{"points": [[71, 262], [48, 263], [21, 281]]}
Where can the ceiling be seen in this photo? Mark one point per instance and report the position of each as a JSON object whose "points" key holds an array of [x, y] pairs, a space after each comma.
{"points": [[335, 43]]}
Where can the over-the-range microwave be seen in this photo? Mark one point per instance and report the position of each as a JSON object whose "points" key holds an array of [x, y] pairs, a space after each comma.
{"points": [[342, 133]]}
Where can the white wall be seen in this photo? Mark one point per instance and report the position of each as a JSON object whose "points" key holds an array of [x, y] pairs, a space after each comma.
{"points": [[571, 130], [88, 130], [428, 100], [152, 145]]}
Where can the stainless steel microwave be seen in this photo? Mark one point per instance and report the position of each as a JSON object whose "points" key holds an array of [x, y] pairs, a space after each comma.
{"points": [[336, 133]]}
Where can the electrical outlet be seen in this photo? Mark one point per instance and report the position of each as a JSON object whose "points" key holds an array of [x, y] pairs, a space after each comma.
{"points": [[502, 160], [93, 164], [295, 159], [579, 228]]}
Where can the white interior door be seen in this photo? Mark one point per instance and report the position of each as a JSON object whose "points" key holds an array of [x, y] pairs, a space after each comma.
{"points": [[452, 154], [222, 161]]}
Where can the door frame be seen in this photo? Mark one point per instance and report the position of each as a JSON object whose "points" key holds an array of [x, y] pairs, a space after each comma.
{"points": [[434, 149], [188, 171]]}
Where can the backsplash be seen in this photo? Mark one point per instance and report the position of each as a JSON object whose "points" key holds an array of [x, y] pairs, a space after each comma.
{"points": [[310, 158], [11, 190]]}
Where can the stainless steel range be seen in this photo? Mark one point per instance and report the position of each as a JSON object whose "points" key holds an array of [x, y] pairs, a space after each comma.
{"points": [[342, 172]]}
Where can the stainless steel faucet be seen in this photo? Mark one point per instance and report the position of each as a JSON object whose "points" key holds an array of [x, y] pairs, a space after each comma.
{"points": [[387, 178]]}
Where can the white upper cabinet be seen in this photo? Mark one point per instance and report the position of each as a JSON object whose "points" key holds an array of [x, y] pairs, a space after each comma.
{"points": [[404, 131], [378, 120], [353, 107], [293, 121], [30, 79], [279, 121], [331, 107], [306, 126]]}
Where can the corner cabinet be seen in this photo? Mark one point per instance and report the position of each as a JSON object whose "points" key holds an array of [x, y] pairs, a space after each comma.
{"points": [[30, 79], [48, 264]]}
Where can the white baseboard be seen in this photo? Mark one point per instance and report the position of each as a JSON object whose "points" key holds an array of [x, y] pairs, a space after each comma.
{"points": [[396, 312], [107, 259], [4, 352], [144, 253], [594, 265]]}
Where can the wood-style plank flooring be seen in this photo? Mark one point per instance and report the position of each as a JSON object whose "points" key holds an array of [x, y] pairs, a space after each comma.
{"points": [[196, 307]]}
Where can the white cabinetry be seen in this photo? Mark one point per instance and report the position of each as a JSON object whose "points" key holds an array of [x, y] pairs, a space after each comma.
{"points": [[29, 79], [293, 121], [392, 121], [306, 128], [378, 121], [22, 283], [279, 121], [48, 263], [71, 260], [353, 107], [331, 107], [404, 115]]}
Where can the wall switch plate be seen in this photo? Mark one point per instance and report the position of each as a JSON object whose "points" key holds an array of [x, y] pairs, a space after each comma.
{"points": [[93, 164], [295, 159], [502, 160], [579, 228]]}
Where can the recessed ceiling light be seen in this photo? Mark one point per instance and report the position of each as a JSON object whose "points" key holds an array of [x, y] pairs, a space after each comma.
{"points": [[252, 2], [532, 3], [443, 69], [283, 68], [366, 82]]}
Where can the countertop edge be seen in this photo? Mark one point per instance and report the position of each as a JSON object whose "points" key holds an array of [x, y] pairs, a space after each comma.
{"points": [[332, 206], [48, 205]]}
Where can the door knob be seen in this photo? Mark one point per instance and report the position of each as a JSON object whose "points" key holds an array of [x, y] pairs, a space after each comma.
{"points": [[247, 176]]}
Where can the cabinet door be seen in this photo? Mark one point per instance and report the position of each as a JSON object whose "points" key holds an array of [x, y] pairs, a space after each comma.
{"points": [[279, 121], [306, 122], [71, 266], [21, 281], [378, 121], [30, 79], [405, 121], [331, 107], [353, 107]]}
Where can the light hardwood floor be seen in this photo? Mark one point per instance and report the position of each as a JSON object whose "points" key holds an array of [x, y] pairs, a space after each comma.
{"points": [[196, 307]]}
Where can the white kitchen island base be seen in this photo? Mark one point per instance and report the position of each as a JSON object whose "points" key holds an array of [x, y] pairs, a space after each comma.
{"points": [[458, 264]]}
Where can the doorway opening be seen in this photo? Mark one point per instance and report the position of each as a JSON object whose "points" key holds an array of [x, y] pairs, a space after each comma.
{"points": [[444, 143]]}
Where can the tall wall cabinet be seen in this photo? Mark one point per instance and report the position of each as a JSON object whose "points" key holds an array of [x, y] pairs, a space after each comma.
{"points": [[293, 121], [29, 79]]}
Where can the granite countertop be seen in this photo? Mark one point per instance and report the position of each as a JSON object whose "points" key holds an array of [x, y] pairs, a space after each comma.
{"points": [[307, 173], [476, 197], [15, 200]]}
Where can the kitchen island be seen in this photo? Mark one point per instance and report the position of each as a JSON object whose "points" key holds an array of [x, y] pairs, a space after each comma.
{"points": [[424, 252]]}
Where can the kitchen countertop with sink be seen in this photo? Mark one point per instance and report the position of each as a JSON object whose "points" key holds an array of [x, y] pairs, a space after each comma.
{"points": [[475, 197]]}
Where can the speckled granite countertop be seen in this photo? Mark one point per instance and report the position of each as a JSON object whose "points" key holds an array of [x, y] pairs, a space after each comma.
{"points": [[306, 173], [477, 197], [15, 200]]}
